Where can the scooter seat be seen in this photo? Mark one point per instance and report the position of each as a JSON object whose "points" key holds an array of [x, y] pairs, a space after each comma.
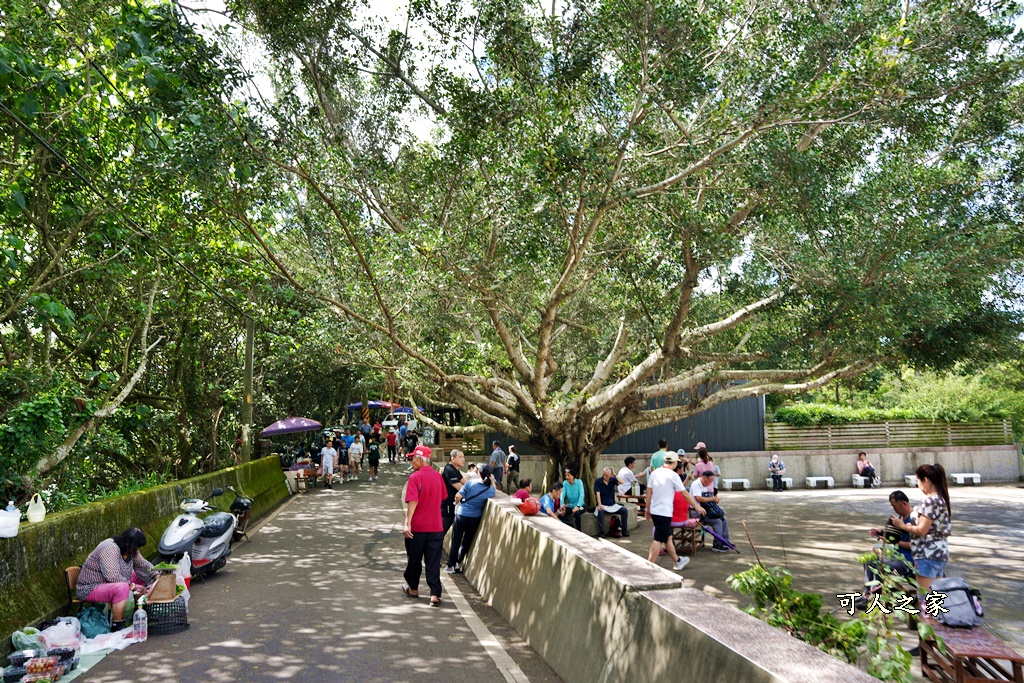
{"points": [[216, 524]]}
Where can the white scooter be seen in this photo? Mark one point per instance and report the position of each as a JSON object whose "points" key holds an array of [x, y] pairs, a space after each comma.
{"points": [[207, 541]]}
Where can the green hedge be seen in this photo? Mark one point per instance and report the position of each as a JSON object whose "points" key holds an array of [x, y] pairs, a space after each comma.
{"points": [[812, 414], [32, 580]]}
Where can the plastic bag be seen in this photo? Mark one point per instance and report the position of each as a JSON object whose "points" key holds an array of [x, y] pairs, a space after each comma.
{"points": [[129, 609], [184, 569], [27, 640], [9, 522], [66, 633], [94, 621]]}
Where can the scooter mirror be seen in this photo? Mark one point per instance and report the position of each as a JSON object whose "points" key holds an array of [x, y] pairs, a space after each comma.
{"points": [[216, 492], [180, 494]]}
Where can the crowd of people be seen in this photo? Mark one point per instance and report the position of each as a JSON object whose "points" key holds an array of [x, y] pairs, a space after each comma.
{"points": [[677, 490], [345, 453]]}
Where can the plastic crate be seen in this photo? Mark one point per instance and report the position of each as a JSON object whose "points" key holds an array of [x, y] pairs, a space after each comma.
{"points": [[165, 618], [13, 674]]}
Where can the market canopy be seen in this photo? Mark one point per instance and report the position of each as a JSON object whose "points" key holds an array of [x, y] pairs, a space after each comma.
{"points": [[373, 404], [291, 425]]}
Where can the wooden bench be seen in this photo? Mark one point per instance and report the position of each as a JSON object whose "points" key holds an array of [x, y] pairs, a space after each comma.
{"points": [[744, 484], [688, 536], [972, 655], [910, 480], [787, 482], [812, 482], [963, 477]]}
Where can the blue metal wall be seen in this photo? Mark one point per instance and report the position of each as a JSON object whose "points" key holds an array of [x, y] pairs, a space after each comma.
{"points": [[732, 426]]}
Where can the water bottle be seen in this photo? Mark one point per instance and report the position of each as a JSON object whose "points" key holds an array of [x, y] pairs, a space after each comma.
{"points": [[10, 506], [140, 625], [636, 488]]}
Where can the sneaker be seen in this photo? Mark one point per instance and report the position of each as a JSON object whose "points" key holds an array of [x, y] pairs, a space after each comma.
{"points": [[683, 561], [449, 570], [720, 550], [458, 568]]}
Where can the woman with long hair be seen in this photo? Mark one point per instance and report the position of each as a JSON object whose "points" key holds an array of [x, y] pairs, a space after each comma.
{"points": [[930, 526]]}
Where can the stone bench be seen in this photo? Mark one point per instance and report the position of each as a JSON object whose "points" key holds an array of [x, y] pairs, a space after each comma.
{"points": [[812, 482], [860, 482], [963, 477], [787, 482], [589, 520], [744, 484], [910, 480]]}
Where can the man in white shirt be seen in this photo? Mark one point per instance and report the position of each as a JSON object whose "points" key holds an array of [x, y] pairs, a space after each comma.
{"points": [[627, 478], [703, 491], [328, 456], [662, 485]]}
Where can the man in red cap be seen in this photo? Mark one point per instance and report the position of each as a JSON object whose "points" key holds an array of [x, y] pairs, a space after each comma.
{"points": [[424, 529]]}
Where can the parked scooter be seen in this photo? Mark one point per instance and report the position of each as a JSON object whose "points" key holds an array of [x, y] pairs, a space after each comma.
{"points": [[207, 541]]}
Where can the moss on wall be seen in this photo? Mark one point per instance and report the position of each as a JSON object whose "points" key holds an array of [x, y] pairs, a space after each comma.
{"points": [[32, 563]]}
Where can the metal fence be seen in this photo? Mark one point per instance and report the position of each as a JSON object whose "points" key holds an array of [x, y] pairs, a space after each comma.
{"points": [[732, 426]]}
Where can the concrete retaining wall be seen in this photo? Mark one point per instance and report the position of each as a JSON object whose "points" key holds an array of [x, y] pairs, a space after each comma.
{"points": [[995, 464], [600, 614], [32, 563]]}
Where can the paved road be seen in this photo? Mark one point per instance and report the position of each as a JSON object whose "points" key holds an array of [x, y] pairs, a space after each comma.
{"points": [[315, 596], [818, 534]]}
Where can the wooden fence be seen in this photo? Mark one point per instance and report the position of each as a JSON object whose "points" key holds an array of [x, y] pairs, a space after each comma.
{"points": [[889, 434]]}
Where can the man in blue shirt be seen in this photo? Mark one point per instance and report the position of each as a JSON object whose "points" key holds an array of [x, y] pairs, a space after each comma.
{"points": [[572, 499], [550, 503], [348, 438], [497, 463], [605, 488]]}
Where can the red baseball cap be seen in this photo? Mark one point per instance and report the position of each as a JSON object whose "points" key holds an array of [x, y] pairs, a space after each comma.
{"points": [[422, 451]]}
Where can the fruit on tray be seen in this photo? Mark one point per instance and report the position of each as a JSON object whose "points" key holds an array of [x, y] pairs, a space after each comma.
{"points": [[41, 665]]}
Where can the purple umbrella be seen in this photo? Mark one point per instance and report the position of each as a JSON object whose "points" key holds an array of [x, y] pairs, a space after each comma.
{"points": [[721, 540], [291, 425]]}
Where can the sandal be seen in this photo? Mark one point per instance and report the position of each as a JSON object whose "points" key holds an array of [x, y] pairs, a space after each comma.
{"points": [[435, 601], [409, 592]]}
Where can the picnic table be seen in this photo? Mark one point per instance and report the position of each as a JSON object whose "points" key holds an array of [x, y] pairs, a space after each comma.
{"points": [[972, 655], [639, 500]]}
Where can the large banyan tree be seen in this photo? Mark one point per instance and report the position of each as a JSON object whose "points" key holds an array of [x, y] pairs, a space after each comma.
{"points": [[581, 220]]}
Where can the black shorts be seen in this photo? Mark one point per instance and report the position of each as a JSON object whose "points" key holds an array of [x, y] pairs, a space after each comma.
{"points": [[343, 460], [374, 462], [662, 528]]}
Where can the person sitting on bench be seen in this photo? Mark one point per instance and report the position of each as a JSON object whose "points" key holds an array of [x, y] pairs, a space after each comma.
{"points": [[866, 469], [605, 488]]}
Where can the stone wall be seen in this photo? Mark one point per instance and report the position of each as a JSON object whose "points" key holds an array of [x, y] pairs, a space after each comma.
{"points": [[994, 463], [32, 584], [596, 612]]}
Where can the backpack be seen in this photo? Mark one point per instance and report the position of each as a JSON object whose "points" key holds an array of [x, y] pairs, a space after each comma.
{"points": [[615, 528], [962, 602]]}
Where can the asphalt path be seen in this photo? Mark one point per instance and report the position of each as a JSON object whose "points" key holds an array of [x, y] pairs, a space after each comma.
{"points": [[315, 595]]}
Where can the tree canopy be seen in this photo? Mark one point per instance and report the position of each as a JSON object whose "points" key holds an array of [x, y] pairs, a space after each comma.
{"points": [[122, 299], [584, 220]]}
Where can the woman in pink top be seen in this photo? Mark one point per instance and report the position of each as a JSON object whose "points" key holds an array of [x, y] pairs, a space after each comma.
{"points": [[865, 468], [525, 486]]}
